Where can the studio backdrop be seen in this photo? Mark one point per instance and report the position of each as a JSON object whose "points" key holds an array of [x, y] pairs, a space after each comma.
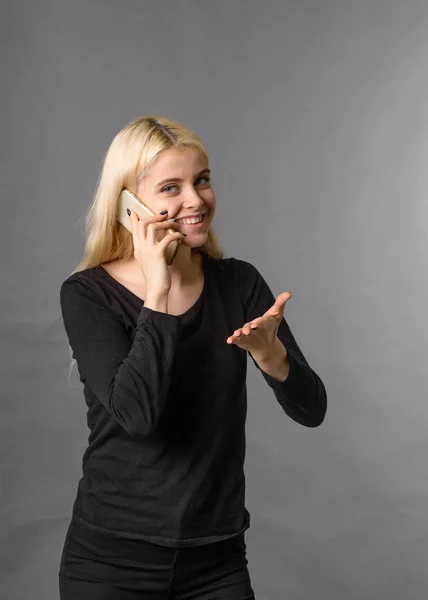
{"points": [[315, 114]]}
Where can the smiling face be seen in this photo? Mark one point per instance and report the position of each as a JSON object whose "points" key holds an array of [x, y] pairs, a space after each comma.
{"points": [[179, 182]]}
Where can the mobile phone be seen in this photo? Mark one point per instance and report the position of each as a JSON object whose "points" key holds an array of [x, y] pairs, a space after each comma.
{"points": [[129, 200]]}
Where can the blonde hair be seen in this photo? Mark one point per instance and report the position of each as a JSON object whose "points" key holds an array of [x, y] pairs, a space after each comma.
{"points": [[128, 158]]}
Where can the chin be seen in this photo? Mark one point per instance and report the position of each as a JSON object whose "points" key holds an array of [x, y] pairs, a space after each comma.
{"points": [[195, 240]]}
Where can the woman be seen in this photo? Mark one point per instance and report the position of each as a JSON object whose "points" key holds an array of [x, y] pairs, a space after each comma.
{"points": [[162, 353]]}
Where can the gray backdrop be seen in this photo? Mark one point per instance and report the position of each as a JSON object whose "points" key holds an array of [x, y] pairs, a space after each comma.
{"points": [[316, 115]]}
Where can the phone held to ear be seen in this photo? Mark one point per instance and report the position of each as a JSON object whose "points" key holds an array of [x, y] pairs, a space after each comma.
{"points": [[129, 200]]}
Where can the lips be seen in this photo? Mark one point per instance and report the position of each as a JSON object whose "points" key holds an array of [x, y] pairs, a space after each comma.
{"points": [[180, 220], [193, 226]]}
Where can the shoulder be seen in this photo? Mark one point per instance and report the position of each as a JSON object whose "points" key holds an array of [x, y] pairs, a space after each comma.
{"points": [[241, 273], [84, 286], [256, 296], [244, 271], [80, 279], [233, 265]]}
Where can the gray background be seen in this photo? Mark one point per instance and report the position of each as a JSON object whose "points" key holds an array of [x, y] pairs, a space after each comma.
{"points": [[315, 113]]}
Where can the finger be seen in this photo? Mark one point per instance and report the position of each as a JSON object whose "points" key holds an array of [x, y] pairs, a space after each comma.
{"points": [[154, 219], [242, 342], [153, 228], [135, 227], [277, 310], [252, 326], [134, 216], [246, 330], [170, 237], [236, 334], [258, 323], [134, 220]]}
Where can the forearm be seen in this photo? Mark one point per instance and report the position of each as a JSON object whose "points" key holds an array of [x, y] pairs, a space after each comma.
{"points": [[297, 387], [276, 363], [130, 375], [140, 388]]}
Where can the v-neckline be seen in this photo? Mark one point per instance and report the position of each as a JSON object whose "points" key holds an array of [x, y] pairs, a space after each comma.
{"points": [[131, 293]]}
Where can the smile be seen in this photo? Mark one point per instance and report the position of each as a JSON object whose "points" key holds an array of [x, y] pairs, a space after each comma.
{"points": [[193, 223]]}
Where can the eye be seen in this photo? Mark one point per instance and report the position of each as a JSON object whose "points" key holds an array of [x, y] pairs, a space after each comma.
{"points": [[203, 181], [206, 179], [168, 188]]}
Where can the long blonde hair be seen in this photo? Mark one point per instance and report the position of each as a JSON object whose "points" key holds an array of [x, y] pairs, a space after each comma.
{"points": [[128, 158]]}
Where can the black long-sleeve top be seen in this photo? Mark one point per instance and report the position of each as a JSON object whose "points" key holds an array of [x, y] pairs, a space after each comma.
{"points": [[166, 404]]}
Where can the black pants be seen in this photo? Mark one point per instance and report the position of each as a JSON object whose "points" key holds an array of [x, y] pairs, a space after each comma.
{"points": [[98, 567]]}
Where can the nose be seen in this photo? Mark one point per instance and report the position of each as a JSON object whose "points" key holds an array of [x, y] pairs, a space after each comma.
{"points": [[191, 198]]}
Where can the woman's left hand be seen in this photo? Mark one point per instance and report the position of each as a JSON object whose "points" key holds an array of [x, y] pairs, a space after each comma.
{"points": [[259, 337]]}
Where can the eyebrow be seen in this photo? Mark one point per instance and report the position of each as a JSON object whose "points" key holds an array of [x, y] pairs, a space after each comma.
{"points": [[170, 179]]}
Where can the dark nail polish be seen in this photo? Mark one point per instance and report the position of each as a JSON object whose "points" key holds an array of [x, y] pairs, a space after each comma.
{"points": [[254, 328], [128, 211], [164, 212], [185, 234]]}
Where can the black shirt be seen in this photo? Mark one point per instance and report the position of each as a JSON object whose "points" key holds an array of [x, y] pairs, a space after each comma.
{"points": [[166, 400]]}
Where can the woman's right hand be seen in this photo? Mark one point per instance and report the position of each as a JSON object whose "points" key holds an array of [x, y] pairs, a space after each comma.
{"points": [[150, 253]]}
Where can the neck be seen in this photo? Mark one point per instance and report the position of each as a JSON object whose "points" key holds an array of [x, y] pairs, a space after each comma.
{"points": [[186, 265], [185, 268]]}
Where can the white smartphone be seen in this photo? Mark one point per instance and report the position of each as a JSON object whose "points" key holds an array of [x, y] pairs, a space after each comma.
{"points": [[129, 200]]}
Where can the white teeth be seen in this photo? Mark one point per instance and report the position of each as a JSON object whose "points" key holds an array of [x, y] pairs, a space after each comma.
{"points": [[191, 221]]}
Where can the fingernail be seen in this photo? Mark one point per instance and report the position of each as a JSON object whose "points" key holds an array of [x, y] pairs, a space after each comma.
{"points": [[164, 212], [185, 234], [171, 219], [254, 328], [128, 211]]}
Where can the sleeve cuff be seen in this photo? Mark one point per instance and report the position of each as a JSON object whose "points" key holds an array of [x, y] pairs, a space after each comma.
{"points": [[293, 383], [157, 318]]}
